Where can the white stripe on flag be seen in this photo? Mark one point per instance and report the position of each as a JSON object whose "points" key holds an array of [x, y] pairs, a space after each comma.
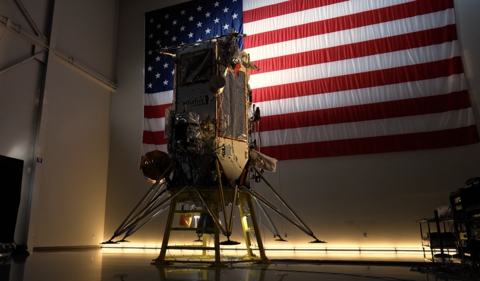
{"points": [[394, 92], [154, 124], [358, 65], [250, 5], [318, 14], [354, 35], [372, 128], [158, 98]]}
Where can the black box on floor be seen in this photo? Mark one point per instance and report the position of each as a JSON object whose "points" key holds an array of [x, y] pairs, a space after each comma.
{"points": [[11, 171]]}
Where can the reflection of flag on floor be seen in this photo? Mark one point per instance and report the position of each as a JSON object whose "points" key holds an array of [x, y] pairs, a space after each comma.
{"points": [[353, 77]]}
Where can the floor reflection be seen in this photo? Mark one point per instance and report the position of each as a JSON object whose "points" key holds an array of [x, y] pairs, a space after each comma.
{"points": [[98, 265], [253, 272], [12, 267]]}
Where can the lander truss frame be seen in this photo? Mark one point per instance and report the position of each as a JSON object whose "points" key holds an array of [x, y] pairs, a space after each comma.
{"points": [[151, 205]]}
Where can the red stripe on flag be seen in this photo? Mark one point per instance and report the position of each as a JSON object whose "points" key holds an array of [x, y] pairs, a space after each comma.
{"points": [[391, 109], [415, 141], [379, 46], [155, 111], [285, 8], [347, 22], [361, 80], [154, 137]]}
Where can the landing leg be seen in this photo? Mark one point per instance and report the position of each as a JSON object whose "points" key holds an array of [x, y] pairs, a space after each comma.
{"points": [[216, 235], [263, 257], [166, 236]]}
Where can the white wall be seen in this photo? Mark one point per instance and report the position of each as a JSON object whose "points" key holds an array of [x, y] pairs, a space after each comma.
{"points": [[340, 198], [68, 189], [19, 94]]}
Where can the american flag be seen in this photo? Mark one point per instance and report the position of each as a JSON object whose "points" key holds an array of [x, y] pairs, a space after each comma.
{"points": [[338, 77]]}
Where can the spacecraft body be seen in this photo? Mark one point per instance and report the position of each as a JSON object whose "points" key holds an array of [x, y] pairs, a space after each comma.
{"points": [[211, 114]]}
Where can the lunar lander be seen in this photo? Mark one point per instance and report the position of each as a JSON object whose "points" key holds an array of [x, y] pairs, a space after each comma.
{"points": [[211, 131]]}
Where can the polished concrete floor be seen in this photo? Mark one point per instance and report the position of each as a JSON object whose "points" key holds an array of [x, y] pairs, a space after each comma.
{"points": [[129, 265]]}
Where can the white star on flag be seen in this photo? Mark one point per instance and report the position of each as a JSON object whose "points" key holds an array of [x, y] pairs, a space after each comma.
{"points": [[151, 20], [234, 16], [182, 26], [150, 36]]}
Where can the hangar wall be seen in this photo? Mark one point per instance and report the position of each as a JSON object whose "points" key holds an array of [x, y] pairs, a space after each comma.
{"points": [[19, 92], [50, 105], [341, 198], [98, 140]]}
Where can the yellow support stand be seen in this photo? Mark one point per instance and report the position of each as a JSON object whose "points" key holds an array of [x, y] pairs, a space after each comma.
{"points": [[213, 260], [255, 230]]}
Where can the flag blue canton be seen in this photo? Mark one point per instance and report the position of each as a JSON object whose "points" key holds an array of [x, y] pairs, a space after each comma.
{"points": [[185, 23]]}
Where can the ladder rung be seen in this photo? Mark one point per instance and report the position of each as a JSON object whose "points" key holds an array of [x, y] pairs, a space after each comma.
{"points": [[188, 247], [250, 229], [192, 229], [193, 212]]}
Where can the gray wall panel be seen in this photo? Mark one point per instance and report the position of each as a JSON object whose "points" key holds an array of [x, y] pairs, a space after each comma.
{"points": [[65, 194]]}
